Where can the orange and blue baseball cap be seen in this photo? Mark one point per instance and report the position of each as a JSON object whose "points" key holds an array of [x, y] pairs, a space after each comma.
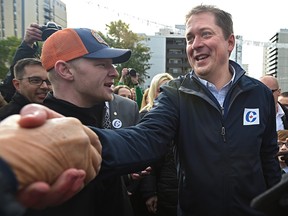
{"points": [[72, 43]]}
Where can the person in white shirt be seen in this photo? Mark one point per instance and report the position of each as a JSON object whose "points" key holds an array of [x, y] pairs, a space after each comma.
{"points": [[281, 112]]}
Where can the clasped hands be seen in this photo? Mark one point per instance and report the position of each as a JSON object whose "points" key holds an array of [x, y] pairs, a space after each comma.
{"points": [[52, 157]]}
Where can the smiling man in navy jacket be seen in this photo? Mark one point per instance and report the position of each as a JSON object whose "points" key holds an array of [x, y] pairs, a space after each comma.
{"points": [[222, 121]]}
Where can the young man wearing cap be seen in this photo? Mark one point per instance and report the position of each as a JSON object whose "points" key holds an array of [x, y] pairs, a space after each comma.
{"points": [[80, 68]]}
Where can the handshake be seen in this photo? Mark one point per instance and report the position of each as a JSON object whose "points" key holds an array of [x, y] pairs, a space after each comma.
{"points": [[40, 145]]}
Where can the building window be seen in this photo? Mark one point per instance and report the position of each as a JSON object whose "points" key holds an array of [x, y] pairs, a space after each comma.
{"points": [[175, 70], [175, 61], [175, 51]]}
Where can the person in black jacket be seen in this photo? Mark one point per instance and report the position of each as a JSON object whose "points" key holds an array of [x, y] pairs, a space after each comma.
{"points": [[222, 123], [10, 86], [27, 49], [31, 84]]}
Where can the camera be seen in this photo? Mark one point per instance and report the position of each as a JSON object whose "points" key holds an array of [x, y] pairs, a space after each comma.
{"points": [[132, 72], [49, 29]]}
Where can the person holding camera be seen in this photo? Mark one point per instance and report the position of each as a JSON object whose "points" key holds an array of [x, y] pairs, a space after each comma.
{"points": [[28, 49], [132, 73], [27, 80], [31, 84]]}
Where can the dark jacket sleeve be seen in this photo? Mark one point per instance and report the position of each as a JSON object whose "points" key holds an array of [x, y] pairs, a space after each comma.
{"points": [[8, 188], [134, 148]]}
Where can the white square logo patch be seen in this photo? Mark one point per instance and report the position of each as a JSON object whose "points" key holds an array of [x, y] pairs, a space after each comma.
{"points": [[251, 116]]}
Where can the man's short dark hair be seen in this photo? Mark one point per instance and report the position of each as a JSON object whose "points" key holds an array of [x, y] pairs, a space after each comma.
{"points": [[19, 68]]}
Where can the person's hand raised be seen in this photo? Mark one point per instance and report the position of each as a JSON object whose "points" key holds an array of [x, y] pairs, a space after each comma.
{"points": [[33, 34]]}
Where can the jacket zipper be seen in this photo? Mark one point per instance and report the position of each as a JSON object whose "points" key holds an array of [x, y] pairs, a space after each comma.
{"points": [[223, 128], [223, 133]]}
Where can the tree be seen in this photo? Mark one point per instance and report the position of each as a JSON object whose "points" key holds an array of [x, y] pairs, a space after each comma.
{"points": [[119, 36], [7, 50]]}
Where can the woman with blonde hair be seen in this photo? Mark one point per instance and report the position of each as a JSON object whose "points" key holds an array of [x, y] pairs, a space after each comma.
{"points": [[145, 98], [154, 89]]}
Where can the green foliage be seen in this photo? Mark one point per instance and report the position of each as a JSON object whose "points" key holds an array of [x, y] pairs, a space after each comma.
{"points": [[119, 36], [7, 50]]}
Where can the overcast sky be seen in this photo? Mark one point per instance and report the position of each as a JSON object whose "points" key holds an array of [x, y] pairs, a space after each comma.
{"points": [[254, 20]]}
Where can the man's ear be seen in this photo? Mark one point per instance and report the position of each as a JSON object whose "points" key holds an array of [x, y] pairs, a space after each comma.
{"points": [[231, 43], [16, 84], [64, 70]]}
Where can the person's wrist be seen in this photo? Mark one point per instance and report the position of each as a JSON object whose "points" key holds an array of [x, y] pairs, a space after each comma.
{"points": [[28, 44]]}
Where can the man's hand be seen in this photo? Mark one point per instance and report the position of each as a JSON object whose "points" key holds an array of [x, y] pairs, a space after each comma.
{"points": [[151, 204], [141, 174], [39, 195], [33, 34], [124, 72], [46, 151]]}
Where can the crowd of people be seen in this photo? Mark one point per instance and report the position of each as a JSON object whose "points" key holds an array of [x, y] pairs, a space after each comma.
{"points": [[210, 142]]}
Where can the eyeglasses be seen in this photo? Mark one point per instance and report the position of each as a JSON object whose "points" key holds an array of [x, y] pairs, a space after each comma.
{"points": [[274, 90], [280, 144], [36, 80]]}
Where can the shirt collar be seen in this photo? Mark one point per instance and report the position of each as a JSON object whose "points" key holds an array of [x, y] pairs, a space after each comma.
{"points": [[207, 84], [280, 111]]}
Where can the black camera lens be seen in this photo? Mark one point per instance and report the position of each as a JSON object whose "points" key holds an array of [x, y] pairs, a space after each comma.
{"points": [[132, 72]]}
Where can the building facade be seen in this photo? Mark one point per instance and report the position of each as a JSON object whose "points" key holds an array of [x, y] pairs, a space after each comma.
{"points": [[17, 15], [168, 54], [276, 58]]}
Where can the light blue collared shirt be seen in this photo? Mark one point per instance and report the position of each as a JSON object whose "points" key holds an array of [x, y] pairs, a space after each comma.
{"points": [[221, 94]]}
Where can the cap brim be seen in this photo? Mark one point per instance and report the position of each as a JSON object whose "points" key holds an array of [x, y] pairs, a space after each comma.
{"points": [[117, 55]]}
